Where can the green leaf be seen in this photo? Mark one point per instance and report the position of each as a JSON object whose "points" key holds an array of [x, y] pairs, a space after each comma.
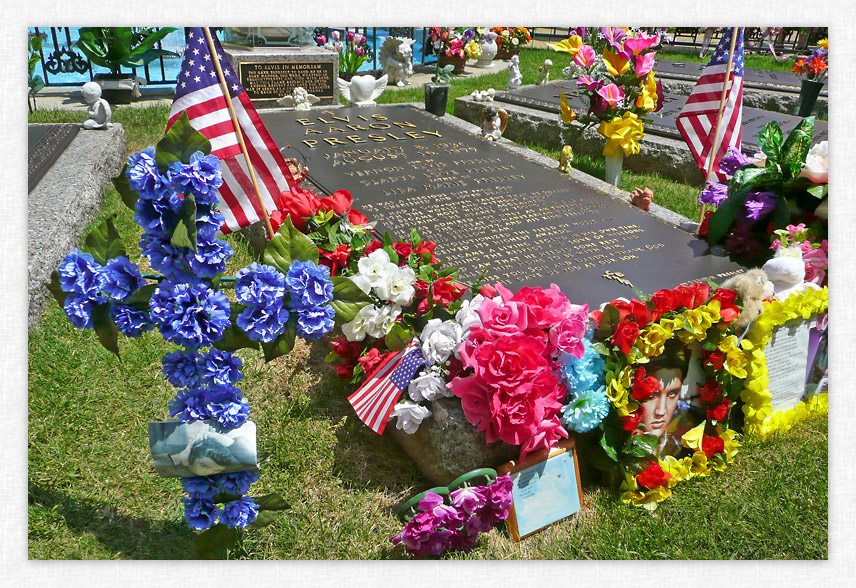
{"points": [[264, 518], [723, 216], [123, 187], [348, 299], [770, 142], [755, 177], [415, 239], [819, 191], [235, 338], [610, 441], [213, 543], [141, 297], [271, 501], [179, 143], [106, 330], [282, 345], [184, 234], [640, 445], [104, 242], [398, 337], [796, 146], [393, 256], [58, 293], [289, 245], [608, 321]]}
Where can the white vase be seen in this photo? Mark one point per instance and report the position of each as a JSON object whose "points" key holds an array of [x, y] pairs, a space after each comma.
{"points": [[489, 49], [613, 168]]}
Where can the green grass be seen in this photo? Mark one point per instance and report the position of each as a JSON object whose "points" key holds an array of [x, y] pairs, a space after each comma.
{"points": [[94, 494]]}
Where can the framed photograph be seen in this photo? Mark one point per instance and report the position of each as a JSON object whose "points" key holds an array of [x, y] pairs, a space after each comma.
{"points": [[546, 488], [201, 448]]}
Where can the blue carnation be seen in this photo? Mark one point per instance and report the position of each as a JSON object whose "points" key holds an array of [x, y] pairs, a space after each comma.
{"points": [[264, 322], [314, 323], [239, 513], [168, 260], [586, 372], [586, 410], [79, 308], [131, 321], [121, 278], [201, 177], [220, 367], [157, 217], [258, 283], [210, 258], [79, 273], [201, 486], [143, 175], [208, 222], [227, 405], [181, 368], [237, 483], [191, 316], [200, 514], [309, 284], [189, 405]]}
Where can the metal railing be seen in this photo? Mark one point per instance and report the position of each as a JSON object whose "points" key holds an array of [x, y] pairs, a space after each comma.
{"points": [[371, 34]]}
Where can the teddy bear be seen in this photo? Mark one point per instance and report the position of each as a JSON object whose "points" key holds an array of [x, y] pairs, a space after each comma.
{"points": [[753, 287], [787, 272]]}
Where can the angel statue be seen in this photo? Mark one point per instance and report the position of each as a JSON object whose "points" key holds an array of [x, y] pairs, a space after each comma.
{"points": [[493, 122], [396, 55], [300, 99], [362, 90]]}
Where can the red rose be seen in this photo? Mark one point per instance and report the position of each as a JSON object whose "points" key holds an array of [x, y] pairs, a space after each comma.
{"points": [[631, 421], [445, 291], [347, 349], [701, 291], [426, 247], [715, 358], [683, 296], [625, 336], [712, 445], [653, 476], [720, 411], [727, 309], [711, 392], [334, 259], [664, 301], [595, 317], [372, 360], [373, 246], [644, 388], [403, 250], [339, 202], [299, 205], [487, 291], [421, 287], [345, 371], [357, 218]]}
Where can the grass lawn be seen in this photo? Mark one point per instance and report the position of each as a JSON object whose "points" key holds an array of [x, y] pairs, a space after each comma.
{"points": [[94, 494]]}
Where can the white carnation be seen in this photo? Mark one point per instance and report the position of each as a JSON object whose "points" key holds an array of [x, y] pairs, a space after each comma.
{"points": [[376, 266], [383, 321], [398, 286], [439, 340], [429, 385], [362, 324], [409, 416]]}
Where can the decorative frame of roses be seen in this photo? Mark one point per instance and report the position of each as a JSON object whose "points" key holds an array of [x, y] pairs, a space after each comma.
{"points": [[631, 333]]}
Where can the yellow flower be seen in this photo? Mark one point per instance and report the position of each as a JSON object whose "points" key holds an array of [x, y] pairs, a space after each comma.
{"points": [[824, 43], [647, 499], [571, 45], [622, 133], [652, 339], [731, 444], [616, 65], [568, 115], [648, 93], [692, 438], [473, 50], [699, 465], [678, 468]]}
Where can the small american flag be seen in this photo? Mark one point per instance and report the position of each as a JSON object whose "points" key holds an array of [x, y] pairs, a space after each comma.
{"points": [[198, 92], [376, 398], [697, 120]]}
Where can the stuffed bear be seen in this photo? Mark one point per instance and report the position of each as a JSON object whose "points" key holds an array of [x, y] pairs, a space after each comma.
{"points": [[787, 272], [753, 287]]}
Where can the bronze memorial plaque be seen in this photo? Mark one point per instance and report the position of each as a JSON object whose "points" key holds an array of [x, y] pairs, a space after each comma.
{"points": [[488, 208], [267, 80]]}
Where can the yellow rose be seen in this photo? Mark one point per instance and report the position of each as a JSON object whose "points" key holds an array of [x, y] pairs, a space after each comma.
{"points": [[652, 339]]}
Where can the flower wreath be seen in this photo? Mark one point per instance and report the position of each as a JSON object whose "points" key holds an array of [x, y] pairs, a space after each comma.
{"points": [[760, 420], [633, 333]]}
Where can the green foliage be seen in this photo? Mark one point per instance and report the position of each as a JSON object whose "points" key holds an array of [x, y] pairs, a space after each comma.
{"points": [[289, 245], [184, 234], [283, 344], [348, 299], [796, 148], [398, 337], [118, 47], [34, 82], [770, 141], [123, 187], [104, 243], [179, 143], [443, 75]]}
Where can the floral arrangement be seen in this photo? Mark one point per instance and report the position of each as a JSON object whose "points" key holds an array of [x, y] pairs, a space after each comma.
{"points": [[760, 420], [785, 183], [511, 38], [816, 66], [650, 435], [620, 84], [815, 254], [434, 526], [451, 42], [353, 52]]}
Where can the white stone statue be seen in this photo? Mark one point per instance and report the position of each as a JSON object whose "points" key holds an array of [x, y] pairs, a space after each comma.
{"points": [[515, 78], [483, 95], [300, 99], [544, 70], [494, 121], [99, 109], [362, 90], [396, 56]]}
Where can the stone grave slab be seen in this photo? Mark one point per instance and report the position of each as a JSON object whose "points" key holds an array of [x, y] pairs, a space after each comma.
{"points": [[664, 123], [45, 143], [490, 209]]}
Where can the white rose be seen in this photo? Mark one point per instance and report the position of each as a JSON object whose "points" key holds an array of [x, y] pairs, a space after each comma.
{"points": [[362, 324], [439, 340], [362, 282], [398, 286], [817, 164], [429, 385], [467, 317], [383, 321], [409, 416], [375, 266]]}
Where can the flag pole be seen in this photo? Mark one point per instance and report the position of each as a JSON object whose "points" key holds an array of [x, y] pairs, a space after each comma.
{"points": [[715, 146], [215, 57]]}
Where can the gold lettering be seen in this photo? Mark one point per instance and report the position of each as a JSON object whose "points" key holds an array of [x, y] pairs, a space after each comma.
{"points": [[357, 127], [310, 142], [377, 138], [326, 122], [362, 117], [316, 131], [436, 134], [346, 119], [394, 137], [412, 134], [380, 126], [404, 124], [334, 141], [379, 117], [305, 121], [355, 138]]}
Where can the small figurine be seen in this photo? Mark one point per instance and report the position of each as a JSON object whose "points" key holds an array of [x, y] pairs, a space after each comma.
{"points": [[483, 95], [98, 110], [515, 78], [642, 198], [494, 121], [544, 70], [362, 90], [300, 99], [396, 55], [566, 159]]}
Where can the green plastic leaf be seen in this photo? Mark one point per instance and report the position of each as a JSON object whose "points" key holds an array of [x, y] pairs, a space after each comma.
{"points": [[610, 441], [289, 245], [415, 239], [282, 345], [723, 216], [141, 297], [770, 141], [640, 445], [58, 293], [213, 543], [264, 518], [398, 337], [179, 143], [106, 330], [393, 256], [184, 234], [104, 242], [271, 501], [819, 191], [797, 144], [348, 299], [755, 177], [123, 187], [235, 338], [608, 321]]}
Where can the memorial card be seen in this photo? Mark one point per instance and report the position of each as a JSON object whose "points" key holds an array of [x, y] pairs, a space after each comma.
{"points": [[787, 361], [816, 376], [546, 489], [201, 448]]}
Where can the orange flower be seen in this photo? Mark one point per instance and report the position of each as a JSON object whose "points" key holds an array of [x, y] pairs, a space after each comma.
{"points": [[817, 65], [798, 66]]}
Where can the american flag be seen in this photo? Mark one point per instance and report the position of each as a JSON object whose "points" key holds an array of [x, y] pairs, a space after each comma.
{"points": [[697, 120], [198, 92], [376, 398]]}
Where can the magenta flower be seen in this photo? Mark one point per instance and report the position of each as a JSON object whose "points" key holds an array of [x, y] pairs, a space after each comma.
{"points": [[589, 82], [468, 499], [611, 94], [638, 45], [660, 97], [349, 36], [644, 63], [614, 37], [335, 35], [585, 57]]}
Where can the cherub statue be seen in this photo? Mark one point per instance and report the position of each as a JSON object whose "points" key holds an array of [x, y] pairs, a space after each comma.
{"points": [[362, 90], [98, 110], [515, 78], [483, 95], [544, 70], [300, 99], [493, 121], [566, 159], [396, 55]]}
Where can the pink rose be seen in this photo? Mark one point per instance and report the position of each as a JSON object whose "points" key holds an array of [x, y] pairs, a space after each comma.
{"points": [[816, 264], [545, 307], [516, 417], [545, 437], [475, 401], [568, 334], [507, 319], [510, 361], [478, 336]]}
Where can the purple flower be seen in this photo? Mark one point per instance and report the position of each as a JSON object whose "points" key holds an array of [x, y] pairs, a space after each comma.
{"points": [[180, 368], [468, 35], [579, 31], [130, 321], [191, 316], [227, 405], [714, 193], [820, 52], [144, 177], [220, 367], [201, 177], [349, 36], [121, 278], [309, 284], [448, 516], [422, 535], [201, 486], [335, 35], [591, 84], [239, 513], [733, 161], [237, 482], [79, 308], [615, 36], [476, 525], [758, 205], [168, 260], [314, 323], [79, 273], [741, 241], [497, 500], [461, 540], [468, 499], [189, 405], [321, 40], [200, 514]]}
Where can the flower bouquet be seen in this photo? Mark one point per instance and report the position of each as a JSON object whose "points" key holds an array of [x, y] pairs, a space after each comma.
{"points": [[815, 68], [450, 45], [509, 40], [785, 183], [353, 52]]}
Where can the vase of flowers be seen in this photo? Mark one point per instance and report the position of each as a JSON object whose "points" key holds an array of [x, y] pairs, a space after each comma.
{"points": [[488, 48], [353, 52], [437, 91], [509, 40], [450, 45], [815, 68]]}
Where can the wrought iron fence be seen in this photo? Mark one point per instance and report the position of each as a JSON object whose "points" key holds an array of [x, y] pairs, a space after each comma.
{"points": [[372, 35]]}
